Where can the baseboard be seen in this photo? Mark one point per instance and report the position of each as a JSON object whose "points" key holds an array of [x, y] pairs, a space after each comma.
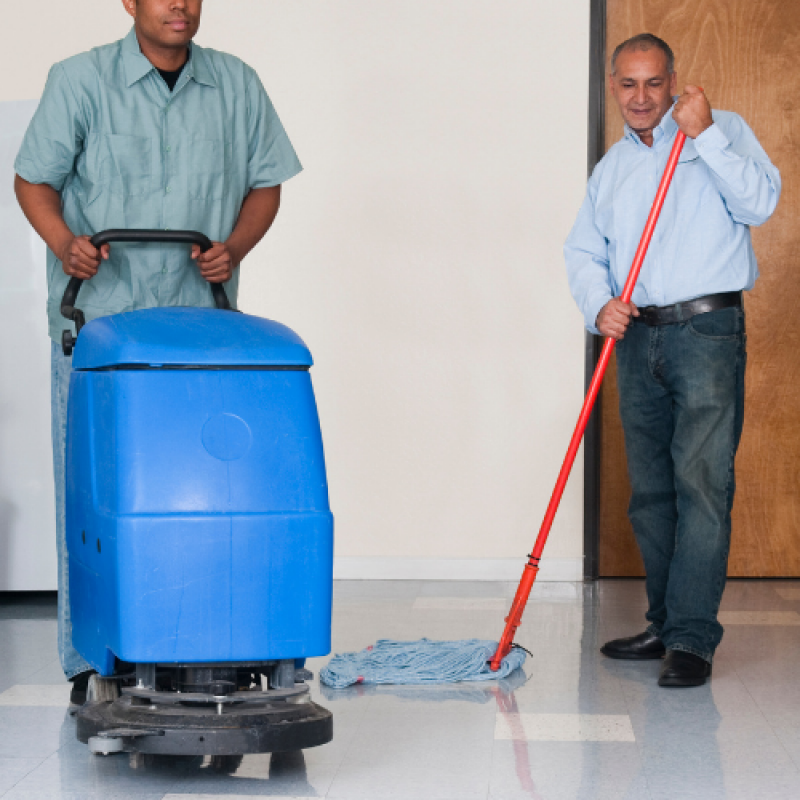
{"points": [[452, 569]]}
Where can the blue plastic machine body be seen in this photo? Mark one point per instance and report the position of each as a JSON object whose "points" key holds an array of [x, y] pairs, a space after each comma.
{"points": [[198, 525]]}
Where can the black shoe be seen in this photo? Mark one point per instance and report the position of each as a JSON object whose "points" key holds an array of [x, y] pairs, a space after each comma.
{"points": [[80, 684], [684, 669], [635, 648]]}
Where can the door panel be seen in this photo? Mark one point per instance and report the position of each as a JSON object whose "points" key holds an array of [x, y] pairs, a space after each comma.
{"points": [[746, 55]]}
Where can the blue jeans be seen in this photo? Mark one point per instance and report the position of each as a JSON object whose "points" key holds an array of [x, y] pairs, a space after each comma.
{"points": [[60, 367], [681, 390]]}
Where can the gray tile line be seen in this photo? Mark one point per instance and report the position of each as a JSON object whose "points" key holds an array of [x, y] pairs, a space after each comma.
{"points": [[48, 665], [28, 774], [22, 777]]}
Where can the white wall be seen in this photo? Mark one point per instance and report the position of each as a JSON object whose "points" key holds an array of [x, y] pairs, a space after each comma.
{"points": [[27, 507], [419, 254]]}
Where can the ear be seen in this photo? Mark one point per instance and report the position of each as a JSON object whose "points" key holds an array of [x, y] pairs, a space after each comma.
{"points": [[673, 84], [130, 7], [612, 85]]}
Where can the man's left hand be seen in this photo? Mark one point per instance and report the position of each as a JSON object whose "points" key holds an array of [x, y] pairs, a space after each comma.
{"points": [[216, 265], [692, 112]]}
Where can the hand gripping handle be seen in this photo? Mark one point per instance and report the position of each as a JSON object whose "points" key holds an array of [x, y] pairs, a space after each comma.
{"points": [[70, 297]]}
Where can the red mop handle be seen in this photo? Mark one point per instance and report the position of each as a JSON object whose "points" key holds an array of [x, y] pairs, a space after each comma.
{"points": [[514, 617]]}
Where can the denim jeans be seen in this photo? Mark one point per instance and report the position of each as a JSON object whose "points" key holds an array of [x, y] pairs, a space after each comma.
{"points": [[60, 367], [681, 390]]}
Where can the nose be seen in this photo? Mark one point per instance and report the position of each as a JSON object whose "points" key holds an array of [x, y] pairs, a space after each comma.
{"points": [[640, 94]]}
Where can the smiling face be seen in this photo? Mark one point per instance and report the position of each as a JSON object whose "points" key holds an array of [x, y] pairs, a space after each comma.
{"points": [[164, 24], [643, 87]]}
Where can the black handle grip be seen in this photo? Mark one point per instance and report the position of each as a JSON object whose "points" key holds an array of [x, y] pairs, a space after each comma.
{"points": [[68, 309], [148, 235]]}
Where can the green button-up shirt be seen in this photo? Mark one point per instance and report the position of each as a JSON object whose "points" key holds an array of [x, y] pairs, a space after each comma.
{"points": [[125, 152]]}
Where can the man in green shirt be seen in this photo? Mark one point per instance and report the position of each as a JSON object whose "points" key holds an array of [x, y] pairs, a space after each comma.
{"points": [[148, 132]]}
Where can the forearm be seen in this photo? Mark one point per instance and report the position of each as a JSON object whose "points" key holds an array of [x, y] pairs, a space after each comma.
{"points": [[749, 184], [586, 257], [41, 204], [257, 214]]}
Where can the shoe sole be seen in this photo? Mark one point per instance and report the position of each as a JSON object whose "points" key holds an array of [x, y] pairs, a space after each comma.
{"points": [[680, 683], [632, 656]]}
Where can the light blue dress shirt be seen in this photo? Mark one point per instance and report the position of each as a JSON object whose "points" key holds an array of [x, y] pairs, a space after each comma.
{"points": [[724, 183], [125, 152]]}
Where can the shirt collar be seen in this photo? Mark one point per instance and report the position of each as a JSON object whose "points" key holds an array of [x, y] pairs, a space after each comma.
{"points": [[199, 67], [136, 65], [663, 132]]}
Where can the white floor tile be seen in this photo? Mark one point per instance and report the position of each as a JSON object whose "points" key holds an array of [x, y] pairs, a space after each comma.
{"points": [[564, 727], [56, 695], [461, 604]]}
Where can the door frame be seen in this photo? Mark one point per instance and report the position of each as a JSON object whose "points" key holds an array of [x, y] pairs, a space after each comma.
{"points": [[596, 148]]}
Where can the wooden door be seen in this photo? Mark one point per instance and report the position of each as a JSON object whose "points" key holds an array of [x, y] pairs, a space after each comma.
{"points": [[746, 55]]}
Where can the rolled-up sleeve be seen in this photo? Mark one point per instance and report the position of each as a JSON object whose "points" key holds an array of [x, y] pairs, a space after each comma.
{"points": [[586, 256], [271, 157], [55, 135]]}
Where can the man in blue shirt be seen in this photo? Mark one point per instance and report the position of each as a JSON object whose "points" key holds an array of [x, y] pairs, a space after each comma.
{"points": [[149, 132], [681, 342]]}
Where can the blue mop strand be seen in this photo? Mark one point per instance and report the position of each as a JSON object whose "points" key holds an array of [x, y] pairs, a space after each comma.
{"points": [[422, 661]]}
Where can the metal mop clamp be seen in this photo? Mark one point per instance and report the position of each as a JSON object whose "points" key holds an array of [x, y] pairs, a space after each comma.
{"points": [[514, 617]]}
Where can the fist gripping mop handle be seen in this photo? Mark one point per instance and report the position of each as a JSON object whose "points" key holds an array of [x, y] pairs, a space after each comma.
{"points": [[514, 617]]}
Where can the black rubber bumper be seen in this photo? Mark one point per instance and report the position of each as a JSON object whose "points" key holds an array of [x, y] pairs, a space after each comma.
{"points": [[184, 730]]}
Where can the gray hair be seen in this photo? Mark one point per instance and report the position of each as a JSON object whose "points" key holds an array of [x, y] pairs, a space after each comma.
{"points": [[644, 41]]}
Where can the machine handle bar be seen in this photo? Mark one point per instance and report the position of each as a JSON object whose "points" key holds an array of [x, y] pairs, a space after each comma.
{"points": [[68, 309]]}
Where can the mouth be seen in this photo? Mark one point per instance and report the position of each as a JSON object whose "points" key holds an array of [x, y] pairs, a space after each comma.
{"points": [[178, 24]]}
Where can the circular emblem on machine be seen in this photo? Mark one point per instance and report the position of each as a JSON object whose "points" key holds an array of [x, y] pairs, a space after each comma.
{"points": [[226, 437]]}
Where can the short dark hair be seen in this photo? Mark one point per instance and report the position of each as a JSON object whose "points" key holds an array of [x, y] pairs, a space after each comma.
{"points": [[644, 41]]}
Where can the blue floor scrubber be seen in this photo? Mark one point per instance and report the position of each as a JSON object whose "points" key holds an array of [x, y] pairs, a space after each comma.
{"points": [[199, 534]]}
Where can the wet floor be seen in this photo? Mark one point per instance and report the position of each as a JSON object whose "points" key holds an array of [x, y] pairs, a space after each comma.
{"points": [[571, 725]]}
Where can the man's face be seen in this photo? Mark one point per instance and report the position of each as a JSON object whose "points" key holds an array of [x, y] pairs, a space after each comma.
{"points": [[643, 88], [165, 23]]}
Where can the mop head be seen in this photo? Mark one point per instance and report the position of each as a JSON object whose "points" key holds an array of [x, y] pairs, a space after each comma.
{"points": [[423, 661]]}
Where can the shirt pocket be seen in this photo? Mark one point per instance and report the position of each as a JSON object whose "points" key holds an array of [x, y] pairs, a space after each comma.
{"points": [[206, 168], [129, 168]]}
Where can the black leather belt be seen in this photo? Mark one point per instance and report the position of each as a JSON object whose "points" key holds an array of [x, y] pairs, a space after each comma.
{"points": [[680, 312]]}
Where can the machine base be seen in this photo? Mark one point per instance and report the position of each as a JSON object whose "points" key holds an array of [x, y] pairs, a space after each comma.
{"points": [[175, 729]]}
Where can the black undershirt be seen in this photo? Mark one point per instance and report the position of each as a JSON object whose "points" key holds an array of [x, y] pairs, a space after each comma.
{"points": [[171, 77]]}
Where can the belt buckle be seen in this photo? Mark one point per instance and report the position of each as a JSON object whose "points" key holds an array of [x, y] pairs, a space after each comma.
{"points": [[649, 315]]}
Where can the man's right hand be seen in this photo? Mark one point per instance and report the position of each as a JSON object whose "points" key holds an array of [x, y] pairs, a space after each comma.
{"points": [[81, 259], [614, 318]]}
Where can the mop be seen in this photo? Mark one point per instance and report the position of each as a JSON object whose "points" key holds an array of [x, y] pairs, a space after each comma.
{"points": [[428, 661], [421, 661]]}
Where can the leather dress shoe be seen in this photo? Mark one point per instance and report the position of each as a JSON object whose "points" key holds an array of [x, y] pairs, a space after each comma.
{"points": [[635, 648], [684, 669]]}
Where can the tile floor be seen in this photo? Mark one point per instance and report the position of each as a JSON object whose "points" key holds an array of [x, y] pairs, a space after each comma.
{"points": [[571, 725]]}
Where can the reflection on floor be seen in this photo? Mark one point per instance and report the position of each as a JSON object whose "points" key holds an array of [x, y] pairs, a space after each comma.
{"points": [[571, 725]]}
